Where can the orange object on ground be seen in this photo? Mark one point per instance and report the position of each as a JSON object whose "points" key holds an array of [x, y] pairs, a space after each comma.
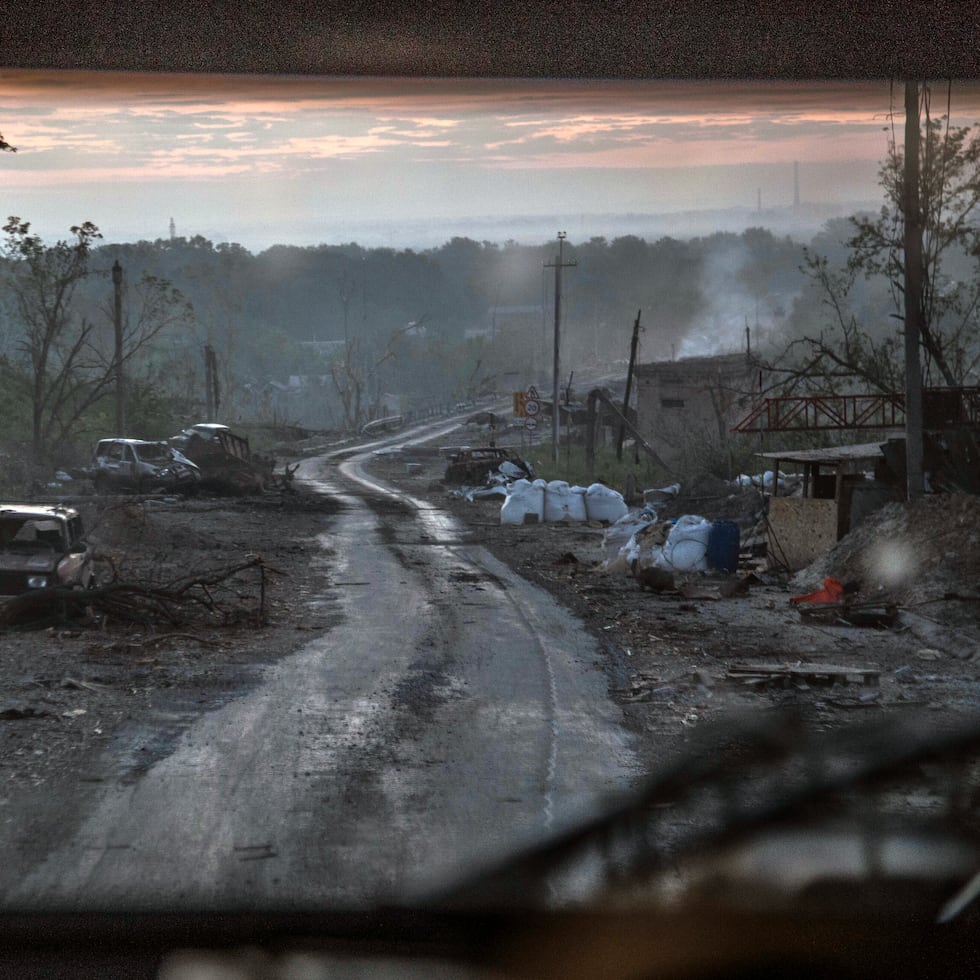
{"points": [[832, 591]]}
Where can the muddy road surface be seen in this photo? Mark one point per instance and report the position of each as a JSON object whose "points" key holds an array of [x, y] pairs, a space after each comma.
{"points": [[448, 712]]}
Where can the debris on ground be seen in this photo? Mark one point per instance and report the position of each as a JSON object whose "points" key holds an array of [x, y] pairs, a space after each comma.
{"points": [[758, 676], [914, 551], [481, 465], [213, 597]]}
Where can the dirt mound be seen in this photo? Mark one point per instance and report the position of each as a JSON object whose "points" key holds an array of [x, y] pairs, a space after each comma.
{"points": [[921, 549]]}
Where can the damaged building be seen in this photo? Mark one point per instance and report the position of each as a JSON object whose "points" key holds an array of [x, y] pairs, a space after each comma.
{"points": [[694, 402]]}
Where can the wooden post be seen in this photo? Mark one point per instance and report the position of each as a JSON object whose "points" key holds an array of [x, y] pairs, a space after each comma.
{"points": [[590, 427], [629, 383], [912, 243], [117, 322]]}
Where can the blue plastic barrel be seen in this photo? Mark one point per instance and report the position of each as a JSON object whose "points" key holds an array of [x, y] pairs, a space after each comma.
{"points": [[723, 540]]}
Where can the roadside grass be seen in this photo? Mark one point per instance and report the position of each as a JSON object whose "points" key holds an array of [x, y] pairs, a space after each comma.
{"points": [[615, 473]]}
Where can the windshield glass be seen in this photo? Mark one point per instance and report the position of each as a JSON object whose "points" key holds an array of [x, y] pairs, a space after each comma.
{"points": [[40, 532], [150, 452], [532, 374]]}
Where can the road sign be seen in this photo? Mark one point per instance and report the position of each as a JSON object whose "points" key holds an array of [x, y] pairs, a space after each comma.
{"points": [[520, 400], [530, 423], [532, 392], [531, 407]]}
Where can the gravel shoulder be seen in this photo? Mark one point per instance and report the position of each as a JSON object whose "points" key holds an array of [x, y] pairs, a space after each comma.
{"points": [[68, 691], [676, 658]]}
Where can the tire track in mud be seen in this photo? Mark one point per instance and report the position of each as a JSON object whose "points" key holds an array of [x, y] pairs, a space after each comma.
{"points": [[467, 569]]}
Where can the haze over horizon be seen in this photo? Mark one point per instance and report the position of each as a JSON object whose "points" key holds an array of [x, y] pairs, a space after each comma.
{"points": [[409, 162]]}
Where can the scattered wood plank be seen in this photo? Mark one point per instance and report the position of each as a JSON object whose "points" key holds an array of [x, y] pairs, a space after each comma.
{"points": [[812, 675]]}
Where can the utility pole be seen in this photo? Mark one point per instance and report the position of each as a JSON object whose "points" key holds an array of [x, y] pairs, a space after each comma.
{"points": [[912, 242], [117, 322], [629, 384], [211, 395], [557, 265]]}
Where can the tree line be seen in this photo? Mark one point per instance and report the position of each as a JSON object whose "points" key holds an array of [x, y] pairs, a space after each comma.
{"points": [[332, 336]]}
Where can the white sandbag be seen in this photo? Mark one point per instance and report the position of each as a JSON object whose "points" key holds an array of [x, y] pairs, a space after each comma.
{"points": [[557, 499], [604, 504], [686, 547], [577, 508], [524, 500]]}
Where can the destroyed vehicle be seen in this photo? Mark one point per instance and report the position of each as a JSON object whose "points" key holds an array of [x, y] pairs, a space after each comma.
{"points": [[143, 466], [225, 461], [42, 547], [474, 467], [209, 439]]}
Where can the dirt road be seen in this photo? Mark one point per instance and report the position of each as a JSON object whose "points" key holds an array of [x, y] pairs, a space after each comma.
{"points": [[467, 671], [447, 710]]}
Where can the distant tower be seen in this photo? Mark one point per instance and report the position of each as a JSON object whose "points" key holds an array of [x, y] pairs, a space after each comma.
{"points": [[173, 230], [796, 186]]}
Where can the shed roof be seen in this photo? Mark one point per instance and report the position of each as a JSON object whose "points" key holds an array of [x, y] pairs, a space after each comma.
{"points": [[736, 362], [828, 456]]}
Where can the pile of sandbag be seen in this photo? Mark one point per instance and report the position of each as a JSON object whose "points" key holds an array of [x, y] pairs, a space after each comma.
{"points": [[687, 544], [539, 501]]}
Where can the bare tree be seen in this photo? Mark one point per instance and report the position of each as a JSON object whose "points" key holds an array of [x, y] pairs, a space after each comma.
{"points": [[354, 371], [849, 349], [64, 369]]}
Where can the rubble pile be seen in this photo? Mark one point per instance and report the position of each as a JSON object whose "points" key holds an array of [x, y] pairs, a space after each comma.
{"points": [[914, 551], [721, 500]]}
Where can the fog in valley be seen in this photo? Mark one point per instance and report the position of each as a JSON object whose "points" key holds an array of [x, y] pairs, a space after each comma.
{"points": [[330, 337]]}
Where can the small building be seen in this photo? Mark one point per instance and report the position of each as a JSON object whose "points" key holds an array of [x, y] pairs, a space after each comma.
{"points": [[839, 491], [693, 402]]}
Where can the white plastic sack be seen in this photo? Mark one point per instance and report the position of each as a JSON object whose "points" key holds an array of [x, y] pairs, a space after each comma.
{"points": [[617, 535], [634, 537], [577, 508], [604, 504], [686, 547], [558, 501], [523, 498], [511, 470], [763, 480]]}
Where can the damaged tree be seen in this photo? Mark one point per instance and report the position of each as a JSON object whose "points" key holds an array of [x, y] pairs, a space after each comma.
{"points": [[849, 347], [65, 366], [354, 370], [200, 597]]}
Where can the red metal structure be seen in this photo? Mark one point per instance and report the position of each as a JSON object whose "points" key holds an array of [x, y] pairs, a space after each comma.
{"points": [[943, 408]]}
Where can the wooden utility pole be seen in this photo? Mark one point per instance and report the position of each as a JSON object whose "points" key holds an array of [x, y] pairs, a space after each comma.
{"points": [[557, 265], [117, 323], [629, 384], [211, 396], [915, 480]]}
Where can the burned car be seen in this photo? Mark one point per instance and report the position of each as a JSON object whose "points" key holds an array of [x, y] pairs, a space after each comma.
{"points": [[475, 466], [142, 465], [225, 461], [42, 547]]}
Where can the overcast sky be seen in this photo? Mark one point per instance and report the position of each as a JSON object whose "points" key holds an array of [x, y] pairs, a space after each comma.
{"points": [[261, 160]]}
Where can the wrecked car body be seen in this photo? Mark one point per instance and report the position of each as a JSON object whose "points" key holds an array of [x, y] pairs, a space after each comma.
{"points": [[41, 548], [225, 460], [142, 465], [474, 466]]}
